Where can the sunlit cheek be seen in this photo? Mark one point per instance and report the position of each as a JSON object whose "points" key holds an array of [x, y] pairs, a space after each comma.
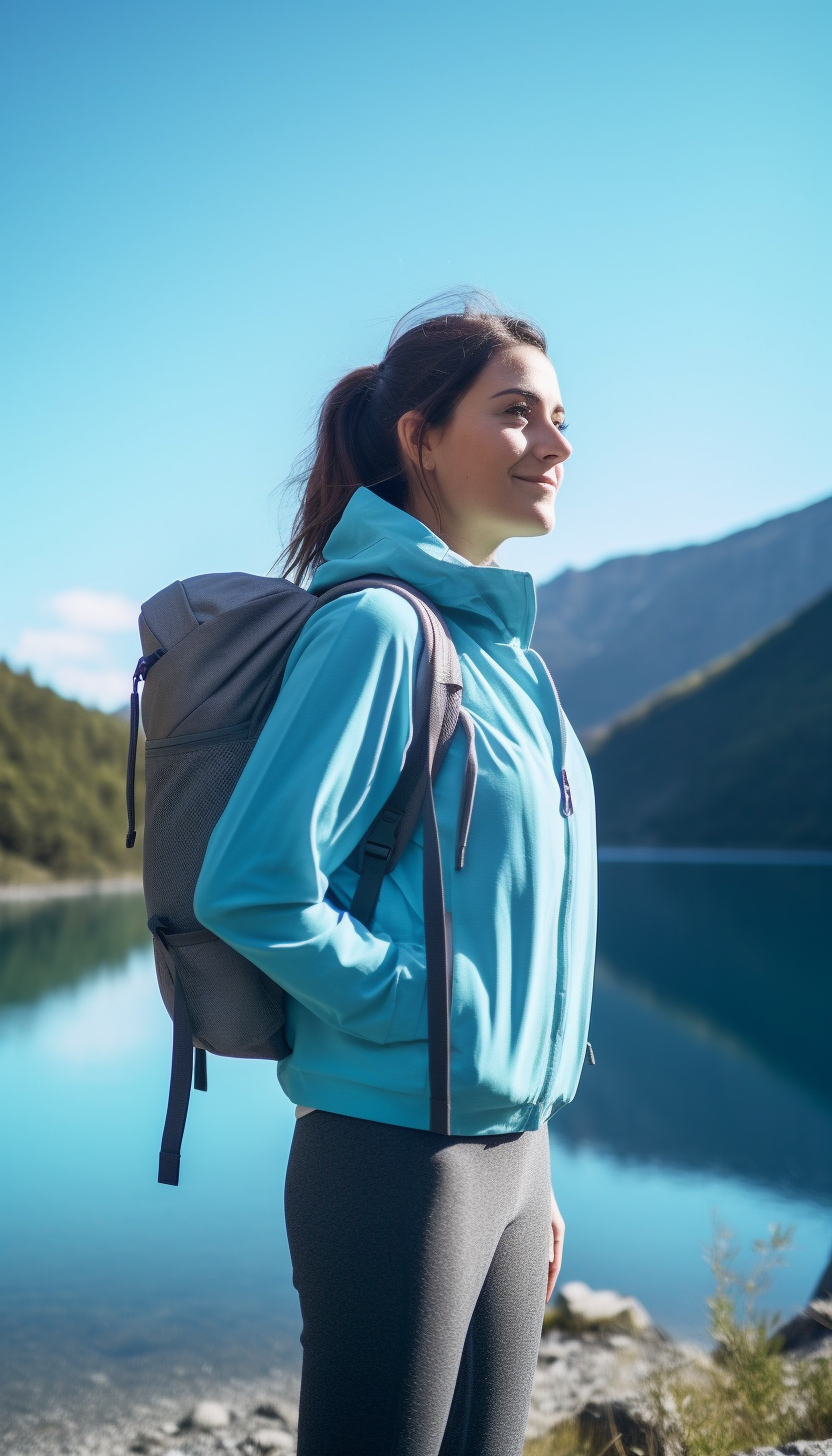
{"points": [[512, 444]]}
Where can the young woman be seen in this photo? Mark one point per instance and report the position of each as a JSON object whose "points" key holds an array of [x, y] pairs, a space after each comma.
{"points": [[422, 1261]]}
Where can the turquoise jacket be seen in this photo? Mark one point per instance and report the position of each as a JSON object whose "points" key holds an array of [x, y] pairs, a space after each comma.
{"points": [[274, 883]]}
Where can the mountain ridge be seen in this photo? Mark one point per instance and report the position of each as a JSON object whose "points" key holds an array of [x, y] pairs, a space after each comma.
{"points": [[618, 633]]}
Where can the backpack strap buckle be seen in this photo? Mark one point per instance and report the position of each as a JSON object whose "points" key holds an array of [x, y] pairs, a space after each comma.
{"points": [[380, 839]]}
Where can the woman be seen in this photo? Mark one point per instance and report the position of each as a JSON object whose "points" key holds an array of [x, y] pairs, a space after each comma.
{"points": [[422, 1261]]}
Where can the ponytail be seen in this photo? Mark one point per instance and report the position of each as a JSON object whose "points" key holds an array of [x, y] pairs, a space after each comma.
{"points": [[427, 367]]}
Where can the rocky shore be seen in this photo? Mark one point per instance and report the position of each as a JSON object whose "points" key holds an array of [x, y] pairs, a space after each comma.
{"points": [[13, 893], [598, 1349]]}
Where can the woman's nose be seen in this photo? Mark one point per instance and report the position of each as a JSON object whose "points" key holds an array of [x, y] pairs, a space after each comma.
{"points": [[553, 446]]}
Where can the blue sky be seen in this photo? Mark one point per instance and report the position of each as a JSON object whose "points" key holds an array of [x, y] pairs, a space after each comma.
{"points": [[212, 210]]}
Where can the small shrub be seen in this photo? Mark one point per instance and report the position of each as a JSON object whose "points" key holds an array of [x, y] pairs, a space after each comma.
{"points": [[814, 1387], [746, 1395]]}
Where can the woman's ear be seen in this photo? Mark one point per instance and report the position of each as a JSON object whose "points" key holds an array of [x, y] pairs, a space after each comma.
{"points": [[407, 429]]}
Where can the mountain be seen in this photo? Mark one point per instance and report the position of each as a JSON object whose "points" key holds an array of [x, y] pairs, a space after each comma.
{"points": [[737, 755], [62, 769], [618, 633]]}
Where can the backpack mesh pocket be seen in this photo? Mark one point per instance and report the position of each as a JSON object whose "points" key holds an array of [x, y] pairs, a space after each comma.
{"points": [[235, 1010], [187, 791]]}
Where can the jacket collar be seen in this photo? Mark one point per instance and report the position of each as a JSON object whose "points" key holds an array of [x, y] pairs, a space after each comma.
{"points": [[374, 537]]}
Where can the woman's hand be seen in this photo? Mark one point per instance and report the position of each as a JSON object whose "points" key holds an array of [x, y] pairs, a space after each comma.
{"points": [[556, 1236]]}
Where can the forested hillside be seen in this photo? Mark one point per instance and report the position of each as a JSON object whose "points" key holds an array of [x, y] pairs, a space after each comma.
{"points": [[618, 633], [62, 772], [739, 755]]}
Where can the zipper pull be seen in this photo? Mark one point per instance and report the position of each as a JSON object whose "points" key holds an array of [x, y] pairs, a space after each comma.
{"points": [[589, 1055], [143, 666], [565, 795]]}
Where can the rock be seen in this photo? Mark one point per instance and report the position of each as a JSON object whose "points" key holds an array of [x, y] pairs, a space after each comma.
{"points": [[273, 1439], [611, 1426], [207, 1415], [279, 1410], [151, 1440], [580, 1308], [794, 1448], [575, 1370], [821, 1310], [809, 1330]]}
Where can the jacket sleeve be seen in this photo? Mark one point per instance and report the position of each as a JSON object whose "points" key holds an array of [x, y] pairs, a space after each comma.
{"points": [[325, 763]]}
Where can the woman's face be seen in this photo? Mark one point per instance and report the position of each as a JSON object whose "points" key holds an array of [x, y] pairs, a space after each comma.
{"points": [[495, 468]]}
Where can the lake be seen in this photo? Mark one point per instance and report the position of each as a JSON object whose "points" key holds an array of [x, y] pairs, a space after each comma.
{"points": [[711, 1096]]}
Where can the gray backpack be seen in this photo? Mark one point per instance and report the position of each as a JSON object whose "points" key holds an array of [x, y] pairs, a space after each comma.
{"points": [[214, 652]]}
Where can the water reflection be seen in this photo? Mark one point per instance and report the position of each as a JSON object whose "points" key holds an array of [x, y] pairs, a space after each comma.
{"points": [[711, 1023], [44, 946], [668, 1090], [745, 950]]}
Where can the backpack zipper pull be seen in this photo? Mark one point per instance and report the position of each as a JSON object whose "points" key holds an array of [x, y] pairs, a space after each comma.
{"points": [[143, 666], [565, 795], [589, 1055]]}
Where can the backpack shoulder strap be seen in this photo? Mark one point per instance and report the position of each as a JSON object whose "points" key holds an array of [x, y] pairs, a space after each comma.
{"points": [[436, 712], [437, 697]]}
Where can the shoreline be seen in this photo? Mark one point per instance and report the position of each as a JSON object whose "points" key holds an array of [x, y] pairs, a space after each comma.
{"points": [[69, 889], [654, 854], [33, 891], [207, 1414]]}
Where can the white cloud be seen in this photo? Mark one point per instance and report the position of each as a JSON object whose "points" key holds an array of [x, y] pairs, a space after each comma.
{"points": [[99, 687], [90, 653], [45, 646], [95, 611]]}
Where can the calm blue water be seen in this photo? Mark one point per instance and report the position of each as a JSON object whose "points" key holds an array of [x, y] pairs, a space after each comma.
{"points": [[712, 1094]]}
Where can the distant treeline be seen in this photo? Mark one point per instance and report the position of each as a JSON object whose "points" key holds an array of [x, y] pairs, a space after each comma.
{"points": [[62, 769]]}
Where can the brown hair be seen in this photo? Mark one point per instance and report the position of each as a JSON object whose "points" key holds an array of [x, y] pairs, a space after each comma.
{"points": [[428, 366]]}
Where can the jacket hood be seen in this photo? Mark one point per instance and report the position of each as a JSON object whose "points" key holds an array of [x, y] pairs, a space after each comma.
{"points": [[374, 537]]}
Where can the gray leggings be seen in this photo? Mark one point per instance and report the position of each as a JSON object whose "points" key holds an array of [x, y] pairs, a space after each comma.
{"points": [[421, 1266]]}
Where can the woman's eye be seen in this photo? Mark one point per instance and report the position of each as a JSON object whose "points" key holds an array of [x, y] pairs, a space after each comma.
{"points": [[562, 425], [519, 409]]}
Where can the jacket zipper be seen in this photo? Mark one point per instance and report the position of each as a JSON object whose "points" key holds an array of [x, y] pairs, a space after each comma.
{"points": [[567, 811]]}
